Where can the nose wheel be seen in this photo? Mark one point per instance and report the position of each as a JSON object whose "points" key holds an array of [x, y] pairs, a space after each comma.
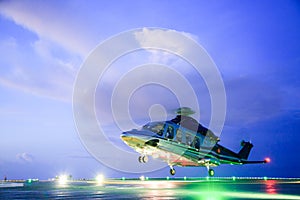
{"points": [[143, 159], [172, 171]]}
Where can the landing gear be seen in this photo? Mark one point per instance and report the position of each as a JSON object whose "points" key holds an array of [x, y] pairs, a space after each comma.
{"points": [[143, 159], [172, 171], [211, 172]]}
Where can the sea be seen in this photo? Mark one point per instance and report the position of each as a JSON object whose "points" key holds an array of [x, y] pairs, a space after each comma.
{"points": [[155, 188]]}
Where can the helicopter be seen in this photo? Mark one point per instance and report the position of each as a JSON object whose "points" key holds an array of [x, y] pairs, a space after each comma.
{"points": [[183, 141]]}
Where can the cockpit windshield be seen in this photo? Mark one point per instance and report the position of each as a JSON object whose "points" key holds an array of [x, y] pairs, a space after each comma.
{"points": [[157, 128]]}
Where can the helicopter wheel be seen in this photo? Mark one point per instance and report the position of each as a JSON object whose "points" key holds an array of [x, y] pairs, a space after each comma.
{"points": [[172, 171], [211, 172], [140, 159], [143, 159]]}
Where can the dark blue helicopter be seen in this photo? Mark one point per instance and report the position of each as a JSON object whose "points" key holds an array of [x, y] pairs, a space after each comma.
{"points": [[184, 142]]}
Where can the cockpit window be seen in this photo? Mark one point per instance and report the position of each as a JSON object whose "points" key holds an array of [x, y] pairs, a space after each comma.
{"points": [[170, 132], [157, 128]]}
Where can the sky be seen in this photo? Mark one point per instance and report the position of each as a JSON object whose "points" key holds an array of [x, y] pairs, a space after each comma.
{"points": [[254, 44]]}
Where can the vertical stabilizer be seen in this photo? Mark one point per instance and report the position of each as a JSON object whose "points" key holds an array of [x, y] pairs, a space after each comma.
{"points": [[245, 151]]}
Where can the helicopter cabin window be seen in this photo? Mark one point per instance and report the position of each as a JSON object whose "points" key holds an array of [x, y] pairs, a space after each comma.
{"points": [[158, 128], [188, 138], [170, 132], [196, 143], [179, 135]]}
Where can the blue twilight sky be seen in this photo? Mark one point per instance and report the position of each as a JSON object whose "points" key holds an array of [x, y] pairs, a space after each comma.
{"points": [[255, 45]]}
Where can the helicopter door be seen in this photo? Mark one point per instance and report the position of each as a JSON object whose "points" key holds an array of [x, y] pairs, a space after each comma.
{"points": [[196, 143], [179, 136], [188, 138]]}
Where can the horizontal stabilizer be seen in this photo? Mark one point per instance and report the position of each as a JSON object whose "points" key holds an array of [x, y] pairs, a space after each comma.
{"points": [[267, 160]]}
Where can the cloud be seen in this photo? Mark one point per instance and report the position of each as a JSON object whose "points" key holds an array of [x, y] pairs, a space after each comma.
{"points": [[25, 157], [157, 37], [149, 38], [45, 66], [43, 69], [124, 73], [50, 22]]}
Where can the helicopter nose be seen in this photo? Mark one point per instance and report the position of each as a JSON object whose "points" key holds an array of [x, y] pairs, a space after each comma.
{"points": [[126, 136], [129, 135]]}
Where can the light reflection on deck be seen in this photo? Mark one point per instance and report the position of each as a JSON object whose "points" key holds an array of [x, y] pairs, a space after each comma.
{"points": [[161, 188], [213, 189]]}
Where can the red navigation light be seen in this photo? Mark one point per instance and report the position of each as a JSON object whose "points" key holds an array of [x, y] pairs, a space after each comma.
{"points": [[267, 160]]}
